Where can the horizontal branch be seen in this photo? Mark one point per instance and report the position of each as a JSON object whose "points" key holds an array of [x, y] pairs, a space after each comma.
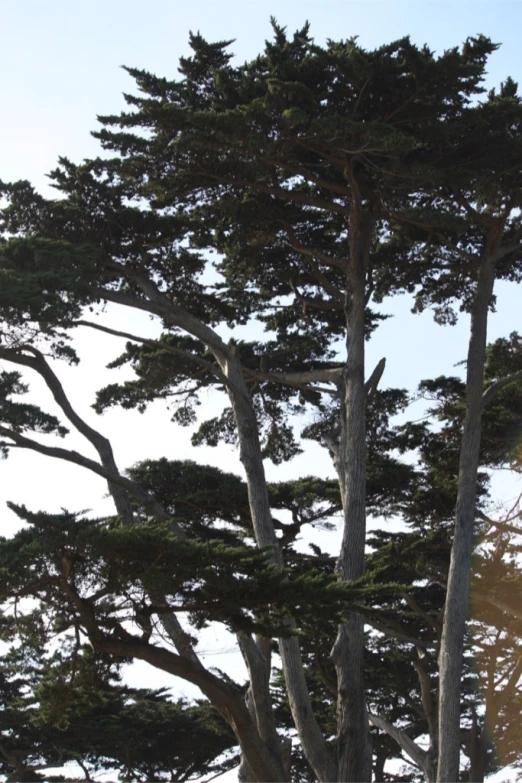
{"points": [[301, 171], [502, 526], [313, 252], [288, 195], [299, 379]]}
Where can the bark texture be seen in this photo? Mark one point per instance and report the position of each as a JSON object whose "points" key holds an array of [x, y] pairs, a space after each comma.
{"points": [[353, 736], [314, 744]]}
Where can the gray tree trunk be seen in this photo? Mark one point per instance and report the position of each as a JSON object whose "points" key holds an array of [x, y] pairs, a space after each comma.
{"points": [[314, 744], [353, 735], [456, 608]]}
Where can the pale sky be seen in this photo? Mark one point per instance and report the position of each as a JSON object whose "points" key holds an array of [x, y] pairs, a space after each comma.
{"points": [[60, 64]]}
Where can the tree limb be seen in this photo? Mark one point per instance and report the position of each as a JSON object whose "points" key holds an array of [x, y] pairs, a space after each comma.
{"points": [[495, 387], [226, 698], [203, 363], [69, 455], [38, 363], [414, 751], [396, 633], [314, 743], [370, 387]]}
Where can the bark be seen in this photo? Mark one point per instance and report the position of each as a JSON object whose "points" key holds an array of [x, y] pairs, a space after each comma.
{"points": [[314, 745], [457, 597], [256, 652], [494, 389], [478, 747], [353, 735]]}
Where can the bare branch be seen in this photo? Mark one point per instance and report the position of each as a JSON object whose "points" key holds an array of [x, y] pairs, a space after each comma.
{"points": [[38, 363], [418, 610], [370, 387], [502, 526], [414, 751], [299, 379], [492, 390], [158, 303], [203, 363], [68, 455], [428, 703]]}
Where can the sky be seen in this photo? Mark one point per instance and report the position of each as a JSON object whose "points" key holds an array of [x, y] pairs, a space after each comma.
{"points": [[61, 67]]}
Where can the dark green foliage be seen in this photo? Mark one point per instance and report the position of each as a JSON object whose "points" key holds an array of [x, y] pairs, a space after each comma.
{"points": [[71, 706]]}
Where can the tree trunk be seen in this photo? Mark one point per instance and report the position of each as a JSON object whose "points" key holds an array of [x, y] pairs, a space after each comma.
{"points": [[314, 745], [456, 608], [353, 734]]}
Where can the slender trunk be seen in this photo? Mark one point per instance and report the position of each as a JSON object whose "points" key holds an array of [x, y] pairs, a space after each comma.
{"points": [[314, 745], [478, 748], [378, 769], [353, 734], [429, 706], [256, 652], [456, 608]]}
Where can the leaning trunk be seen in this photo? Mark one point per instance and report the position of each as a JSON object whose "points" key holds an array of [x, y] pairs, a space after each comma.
{"points": [[456, 608], [353, 735], [314, 745]]}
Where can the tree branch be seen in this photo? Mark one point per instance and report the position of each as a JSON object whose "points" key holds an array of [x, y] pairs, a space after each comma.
{"points": [[256, 654], [314, 743], [68, 455], [38, 363], [226, 698], [502, 605], [495, 387], [203, 363], [418, 610], [416, 753], [370, 387]]}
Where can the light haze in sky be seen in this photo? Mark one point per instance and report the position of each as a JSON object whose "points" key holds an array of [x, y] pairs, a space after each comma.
{"points": [[60, 64]]}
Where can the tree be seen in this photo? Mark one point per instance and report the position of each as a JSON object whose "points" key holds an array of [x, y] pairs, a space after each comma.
{"points": [[322, 178]]}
